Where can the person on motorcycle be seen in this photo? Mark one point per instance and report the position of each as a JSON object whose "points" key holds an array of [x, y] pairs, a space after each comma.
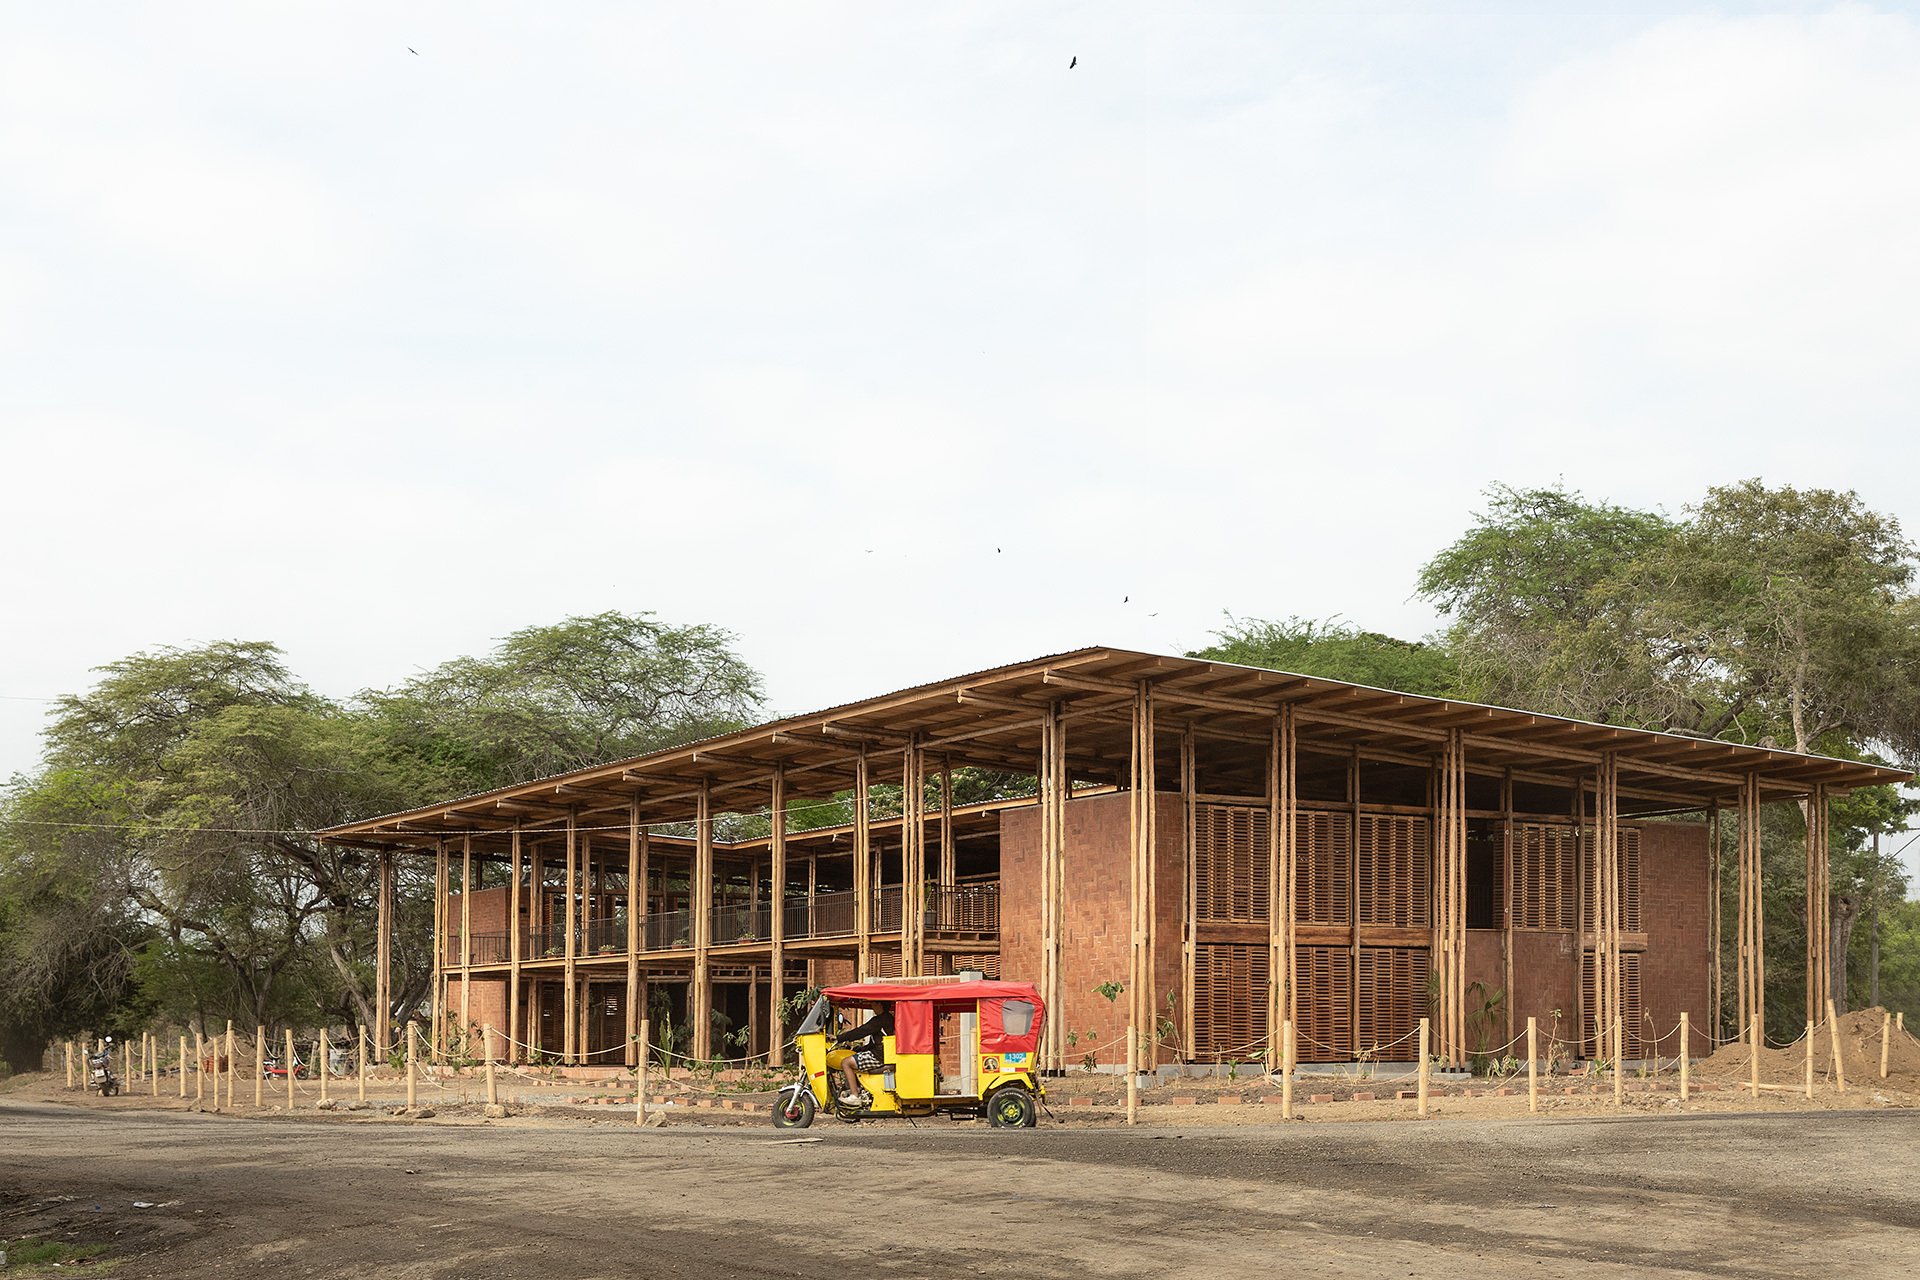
{"points": [[871, 1036]]}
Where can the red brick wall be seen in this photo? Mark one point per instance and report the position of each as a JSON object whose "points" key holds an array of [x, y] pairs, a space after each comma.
{"points": [[1096, 945], [489, 1005], [1675, 882]]}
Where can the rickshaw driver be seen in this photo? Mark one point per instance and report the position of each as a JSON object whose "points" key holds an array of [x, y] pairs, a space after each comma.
{"points": [[871, 1036]]}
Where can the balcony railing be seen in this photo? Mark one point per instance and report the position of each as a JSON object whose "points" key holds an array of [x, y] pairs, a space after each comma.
{"points": [[973, 908]]}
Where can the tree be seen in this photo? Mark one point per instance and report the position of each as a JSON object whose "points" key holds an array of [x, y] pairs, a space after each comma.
{"points": [[1334, 650], [554, 698], [1527, 590]]}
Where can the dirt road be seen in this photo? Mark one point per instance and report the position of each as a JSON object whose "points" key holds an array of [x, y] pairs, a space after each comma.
{"points": [[1826, 1194]]}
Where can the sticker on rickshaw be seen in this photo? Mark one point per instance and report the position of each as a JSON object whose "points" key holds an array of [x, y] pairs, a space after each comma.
{"points": [[989, 1064], [1014, 1060]]}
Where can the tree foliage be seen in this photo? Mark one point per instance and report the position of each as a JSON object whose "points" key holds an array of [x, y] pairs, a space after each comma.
{"points": [[1334, 650]]}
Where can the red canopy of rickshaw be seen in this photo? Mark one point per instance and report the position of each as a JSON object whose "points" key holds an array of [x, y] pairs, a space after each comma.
{"points": [[915, 1005], [886, 992]]}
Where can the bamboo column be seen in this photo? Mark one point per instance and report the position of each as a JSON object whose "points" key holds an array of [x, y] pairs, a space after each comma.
{"points": [[1506, 897], [1716, 1020], [646, 907], [862, 869], [466, 933], [636, 911], [1606, 825], [777, 917], [383, 951], [569, 1033], [1142, 1010], [516, 939], [438, 1029], [701, 895], [948, 870], [1450, 953], [1819, 905], [1047, 777], [1752, 925], [913, 860], [1282, 759]]}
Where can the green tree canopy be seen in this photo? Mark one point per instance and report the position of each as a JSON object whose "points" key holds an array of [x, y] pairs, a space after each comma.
{"points": [[1333, 650]]}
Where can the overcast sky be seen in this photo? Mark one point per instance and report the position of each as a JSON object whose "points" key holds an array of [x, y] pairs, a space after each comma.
{"points": [[882, 338]]}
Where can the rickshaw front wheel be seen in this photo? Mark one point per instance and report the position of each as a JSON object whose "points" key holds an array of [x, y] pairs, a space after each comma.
{"points": [[1010, 1108], [801, 1115]]}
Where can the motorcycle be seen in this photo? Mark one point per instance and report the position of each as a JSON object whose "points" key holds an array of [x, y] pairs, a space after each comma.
{"points": [[272, 1070], [100, 1071]]}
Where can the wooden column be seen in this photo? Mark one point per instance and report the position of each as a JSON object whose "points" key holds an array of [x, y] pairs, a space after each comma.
{"points": [[516, 939], [383, 952], [1752, 930], [862, 870], [439, 1024], [777, 917], [1819, 907], [1506, 894], [948, 871], [1142, 1006], [700, 894], [1282, 807], [913, 860], [466, 933], [569, 1037], [1606, 930], [636, 907], [1715, 1021], [1451, 899], [1050, 780], [1189, 881]]}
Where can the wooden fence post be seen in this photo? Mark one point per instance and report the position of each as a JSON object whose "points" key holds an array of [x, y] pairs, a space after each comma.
{"points": [[1886, 1035], [1755, 1035], [1833, 1034], [199, 1067], [363, 1062], [640, 1083], [413, 1033], [1619, 1065], [183, 1066], [493, 1092], [1533, 1064], [1423, 1066], [326, 1062], [1133, 1074], [69, 1064], [1809, 1060], [230, 1064], [1286, 1069], [1686, 1053], [259, 1065], [290, 1066]]}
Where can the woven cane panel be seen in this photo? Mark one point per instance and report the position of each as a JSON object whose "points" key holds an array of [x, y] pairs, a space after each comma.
{"points": [[1322, 859], [1543, 871], [1324, 1028], [1633, 1018], [1629, 850], [1230, 989], [1392, 986], [1394, 869], [1230, 863]]}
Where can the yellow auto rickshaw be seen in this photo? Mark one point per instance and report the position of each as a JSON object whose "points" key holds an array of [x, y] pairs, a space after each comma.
{"points": [[988, 1032]]}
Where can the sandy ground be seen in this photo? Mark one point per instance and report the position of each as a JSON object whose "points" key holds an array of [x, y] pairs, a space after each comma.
{"points": [[1774, 1191]]}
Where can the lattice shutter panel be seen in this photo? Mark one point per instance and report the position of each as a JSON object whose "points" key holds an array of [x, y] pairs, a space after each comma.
{"points": [[1630, 880], [1543, 870], [1325, 1011], [1394, 867], [1323, 890], [1633, 1017], [1230, 991], [1391, 997], [1230, 863]]}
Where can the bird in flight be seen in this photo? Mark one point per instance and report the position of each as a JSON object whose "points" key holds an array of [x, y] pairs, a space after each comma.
{"points": [[1074, 63], [415, 52], [1124, 599]]}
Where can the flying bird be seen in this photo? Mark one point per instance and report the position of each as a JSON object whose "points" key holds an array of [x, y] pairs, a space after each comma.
{"points": [[1124, 599], [1074, 63], [415, 52]]}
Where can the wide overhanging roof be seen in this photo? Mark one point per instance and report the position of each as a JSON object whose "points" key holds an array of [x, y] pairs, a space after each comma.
{"points": [[993, 719]]}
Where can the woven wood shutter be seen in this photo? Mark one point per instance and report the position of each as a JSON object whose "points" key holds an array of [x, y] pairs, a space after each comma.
{"points": [[1323, 890], [1543, 884], [1230, 985], [1392, 995], [1633, 1017], [1230, 863], [1629, 882], [1394, 868], [1325, 1026]]}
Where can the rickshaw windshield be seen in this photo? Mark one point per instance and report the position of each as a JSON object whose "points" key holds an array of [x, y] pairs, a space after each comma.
{"points": [[816, 1019]]}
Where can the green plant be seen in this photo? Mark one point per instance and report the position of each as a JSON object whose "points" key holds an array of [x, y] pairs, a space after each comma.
{"points": [[1482, 1007], [1111, 990], [35, 1252], [797, 1005]]}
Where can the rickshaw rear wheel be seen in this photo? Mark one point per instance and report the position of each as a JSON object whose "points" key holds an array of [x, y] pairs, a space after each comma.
{"points": [[1010, 1108], [802, 1112]]}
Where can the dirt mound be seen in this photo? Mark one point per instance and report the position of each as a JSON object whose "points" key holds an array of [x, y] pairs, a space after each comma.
{"points": [[1859, 1056]]}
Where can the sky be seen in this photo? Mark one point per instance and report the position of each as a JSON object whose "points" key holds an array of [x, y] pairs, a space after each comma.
{"points": [[887, 339]]}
